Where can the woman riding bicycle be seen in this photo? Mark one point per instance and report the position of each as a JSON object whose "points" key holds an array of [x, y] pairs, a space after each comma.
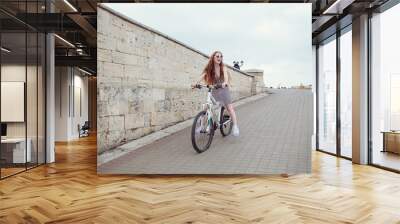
{"points": [[215, 73]]}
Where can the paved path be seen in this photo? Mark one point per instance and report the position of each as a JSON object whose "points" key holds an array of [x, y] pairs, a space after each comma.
{"points": [[275, 138]]}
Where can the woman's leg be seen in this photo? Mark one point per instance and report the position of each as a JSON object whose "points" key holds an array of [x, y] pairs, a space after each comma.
{"points": [[232, 113]]}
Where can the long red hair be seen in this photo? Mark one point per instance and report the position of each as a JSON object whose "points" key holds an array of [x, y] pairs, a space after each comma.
{"points": [[209, 70]]}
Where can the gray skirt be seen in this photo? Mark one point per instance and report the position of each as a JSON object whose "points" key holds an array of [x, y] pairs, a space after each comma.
{"points": [[222, 95]]}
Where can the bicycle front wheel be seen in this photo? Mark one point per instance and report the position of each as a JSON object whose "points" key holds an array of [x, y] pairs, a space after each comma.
{"points": [[202, 132]]}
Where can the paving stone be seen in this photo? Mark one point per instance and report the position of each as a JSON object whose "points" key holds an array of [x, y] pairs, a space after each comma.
{"points": [[275, 138]]}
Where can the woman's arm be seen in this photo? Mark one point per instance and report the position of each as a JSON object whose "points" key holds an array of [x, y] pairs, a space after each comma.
{"points": [[199, 81]]}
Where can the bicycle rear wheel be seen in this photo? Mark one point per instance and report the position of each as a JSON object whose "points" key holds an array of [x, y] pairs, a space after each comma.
{"points": [[202, 132], [226, 122]]}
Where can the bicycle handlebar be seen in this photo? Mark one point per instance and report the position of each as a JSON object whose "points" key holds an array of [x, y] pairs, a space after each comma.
{"points": [[218, 86]]}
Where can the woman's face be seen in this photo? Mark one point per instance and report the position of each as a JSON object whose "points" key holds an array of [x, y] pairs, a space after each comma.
{"points": [[218, 58]]}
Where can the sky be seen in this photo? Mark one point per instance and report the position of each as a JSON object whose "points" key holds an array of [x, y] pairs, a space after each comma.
{"points": [[273, 37]]}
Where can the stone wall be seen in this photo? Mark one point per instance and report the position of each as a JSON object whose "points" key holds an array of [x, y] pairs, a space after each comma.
{"points": [[144, 80], [258, 84]]}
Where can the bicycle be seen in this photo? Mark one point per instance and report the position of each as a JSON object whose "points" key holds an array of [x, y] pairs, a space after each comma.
{"points": [[212, 116]]}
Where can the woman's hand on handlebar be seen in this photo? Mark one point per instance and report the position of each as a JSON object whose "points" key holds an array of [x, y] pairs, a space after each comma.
{"points": [[197, 85], [223, 85], [217, 86]]}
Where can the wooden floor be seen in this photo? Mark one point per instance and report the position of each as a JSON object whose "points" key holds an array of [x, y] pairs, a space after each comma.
{"points": [[70, 191], [10, 171]]}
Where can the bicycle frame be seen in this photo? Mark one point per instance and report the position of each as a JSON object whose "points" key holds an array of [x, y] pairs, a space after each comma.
{"points": [[210, 107]]}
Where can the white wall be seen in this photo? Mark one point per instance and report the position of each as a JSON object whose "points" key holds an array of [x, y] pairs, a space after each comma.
{"points": [[314, 82], [68, 81], [34, 125], [61, 103], [15, 72], [80, 118]]}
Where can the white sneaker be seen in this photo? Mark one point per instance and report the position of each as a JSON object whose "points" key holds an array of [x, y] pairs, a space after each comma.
{"points": [[235, 130]]}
